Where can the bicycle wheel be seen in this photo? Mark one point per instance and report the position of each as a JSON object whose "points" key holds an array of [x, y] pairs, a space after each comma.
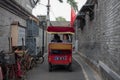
{"points": [[23, 68], [28, 63], [40, 60], [12, 73], [7, 74], [32, 64]]}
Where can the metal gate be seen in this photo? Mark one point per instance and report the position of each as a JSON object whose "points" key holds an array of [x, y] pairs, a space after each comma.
{"points": [[31, 33]]}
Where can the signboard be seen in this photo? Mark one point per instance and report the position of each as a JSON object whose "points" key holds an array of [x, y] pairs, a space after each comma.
{"points": [[21, 34], [17, 33]]}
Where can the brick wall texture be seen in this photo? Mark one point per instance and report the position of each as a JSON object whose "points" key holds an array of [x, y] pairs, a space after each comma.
{"points": [[100, 38], [6, 18], [26, 4]]}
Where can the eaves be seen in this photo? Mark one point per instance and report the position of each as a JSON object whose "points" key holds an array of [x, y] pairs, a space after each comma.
{"points": [[13, 7]]}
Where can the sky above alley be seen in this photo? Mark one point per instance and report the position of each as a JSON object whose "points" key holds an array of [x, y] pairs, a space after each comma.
{"points": [[56, 8]]}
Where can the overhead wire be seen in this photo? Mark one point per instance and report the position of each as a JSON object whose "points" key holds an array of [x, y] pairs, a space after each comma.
{"points": [[51, 10], [42, 4]]}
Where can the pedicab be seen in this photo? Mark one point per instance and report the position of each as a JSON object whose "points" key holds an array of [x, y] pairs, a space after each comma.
{"points": [[60, 53]]}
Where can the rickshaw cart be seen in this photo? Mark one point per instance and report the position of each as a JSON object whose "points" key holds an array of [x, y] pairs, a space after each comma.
{"points": [[60, 53]]}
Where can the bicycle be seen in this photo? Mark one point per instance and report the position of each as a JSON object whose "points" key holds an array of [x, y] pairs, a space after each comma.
{"points": [[21, 61], [1, 74], [8, 65], [39, 58], [11, 74], [36, 59]]}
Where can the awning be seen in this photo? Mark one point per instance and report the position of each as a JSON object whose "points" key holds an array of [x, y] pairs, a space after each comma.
{"points": [[80, 15], [87, 7], [60, 30]]}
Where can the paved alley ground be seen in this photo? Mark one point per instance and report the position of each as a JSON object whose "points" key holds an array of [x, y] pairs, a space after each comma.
{"points": [[41, 72]]}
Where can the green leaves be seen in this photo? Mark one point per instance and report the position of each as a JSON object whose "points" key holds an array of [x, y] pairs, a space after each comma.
{"points": [[60, 19], [72, 3], [61, 0]]}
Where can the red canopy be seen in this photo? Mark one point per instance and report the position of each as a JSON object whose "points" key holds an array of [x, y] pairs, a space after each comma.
{"points": [[60, 29]]}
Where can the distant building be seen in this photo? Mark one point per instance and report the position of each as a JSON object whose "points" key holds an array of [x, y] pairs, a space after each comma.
{"points": [[60, 23]]}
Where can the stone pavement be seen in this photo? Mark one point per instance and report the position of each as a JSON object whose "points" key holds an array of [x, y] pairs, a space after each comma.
{"points": [[81, 71], [41, 72]]}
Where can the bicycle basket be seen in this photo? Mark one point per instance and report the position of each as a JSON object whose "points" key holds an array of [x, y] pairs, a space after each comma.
{"points": [[9, 58]]}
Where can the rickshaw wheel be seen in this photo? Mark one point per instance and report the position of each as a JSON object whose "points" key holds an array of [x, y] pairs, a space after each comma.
{"points": [[50, 67], [69, 67]]}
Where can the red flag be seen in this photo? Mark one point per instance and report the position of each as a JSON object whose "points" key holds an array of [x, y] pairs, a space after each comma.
{"points": [[73, 16]]}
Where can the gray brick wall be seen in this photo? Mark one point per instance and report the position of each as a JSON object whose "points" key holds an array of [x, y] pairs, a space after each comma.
{"points": [[6, 18], [26, 4], [100, 38]]}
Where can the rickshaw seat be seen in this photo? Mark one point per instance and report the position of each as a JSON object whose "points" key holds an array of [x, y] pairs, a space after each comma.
{"points": [[60, 46]]}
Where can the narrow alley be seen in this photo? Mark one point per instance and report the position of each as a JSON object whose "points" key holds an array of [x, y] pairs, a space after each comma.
{"points": [[41, 71], [59, 72], [59, 39]]}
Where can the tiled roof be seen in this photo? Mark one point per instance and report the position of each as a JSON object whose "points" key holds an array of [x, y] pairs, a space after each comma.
{"points": [[59, 23]]}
